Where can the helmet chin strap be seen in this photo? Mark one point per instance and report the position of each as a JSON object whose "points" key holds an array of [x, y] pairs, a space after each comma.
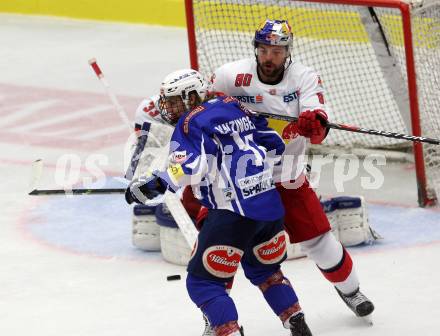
{"points": [[289, 62]]}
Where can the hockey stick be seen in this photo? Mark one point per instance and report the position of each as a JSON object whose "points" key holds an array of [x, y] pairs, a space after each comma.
{"points": [[110, 94], [180, 215], [134, 161], [356, 129], [172, 201], [77, 191], [37, 171], [145, 131]]}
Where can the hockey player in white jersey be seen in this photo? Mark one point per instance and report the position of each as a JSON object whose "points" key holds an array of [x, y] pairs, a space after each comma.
{"points": [[274, 82], [226, 154]]}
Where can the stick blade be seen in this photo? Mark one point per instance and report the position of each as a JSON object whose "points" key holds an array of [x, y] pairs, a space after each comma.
{"points": [[36, 172]]}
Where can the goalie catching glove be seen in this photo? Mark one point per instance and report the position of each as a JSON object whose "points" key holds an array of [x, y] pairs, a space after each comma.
{"points": [[144, 188], [313, 125]]}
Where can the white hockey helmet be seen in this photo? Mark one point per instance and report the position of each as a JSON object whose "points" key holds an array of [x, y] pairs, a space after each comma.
{"points": [[181, 83]]}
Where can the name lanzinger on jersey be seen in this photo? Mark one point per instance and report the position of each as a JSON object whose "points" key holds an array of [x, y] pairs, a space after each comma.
{"points": [[237, 125]]}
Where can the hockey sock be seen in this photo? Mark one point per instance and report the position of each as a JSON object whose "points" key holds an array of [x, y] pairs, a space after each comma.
{"points": [[341, 270], [342, 275], [279, 293], [211, 297]]}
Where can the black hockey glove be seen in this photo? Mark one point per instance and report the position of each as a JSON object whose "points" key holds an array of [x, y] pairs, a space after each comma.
{"points": [[144, 188]]}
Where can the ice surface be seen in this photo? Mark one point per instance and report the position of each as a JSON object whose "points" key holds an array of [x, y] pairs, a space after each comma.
{"points": [[67, 266]]}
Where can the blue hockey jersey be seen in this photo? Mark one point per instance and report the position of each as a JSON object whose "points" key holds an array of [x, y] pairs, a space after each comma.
{"points": [[227, 154]]}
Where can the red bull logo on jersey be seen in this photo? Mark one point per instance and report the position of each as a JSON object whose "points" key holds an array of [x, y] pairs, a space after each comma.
{"points": [[221, 260], [258, 99], [271, 251], [290, 131]]}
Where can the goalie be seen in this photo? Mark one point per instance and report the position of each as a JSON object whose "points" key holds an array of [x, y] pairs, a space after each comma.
{"points": [[150, 153]]}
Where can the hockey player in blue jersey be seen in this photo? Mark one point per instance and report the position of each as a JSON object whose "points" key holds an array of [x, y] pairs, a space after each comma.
{"points": [[226, 154]]}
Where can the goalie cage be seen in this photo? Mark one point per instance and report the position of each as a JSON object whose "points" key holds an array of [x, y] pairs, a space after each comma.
{"points": [[379, 61]]}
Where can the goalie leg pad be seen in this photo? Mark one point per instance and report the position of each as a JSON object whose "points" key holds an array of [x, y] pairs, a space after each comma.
{"points": [[173, 245], [352, 219], [145, 231], [349, 220]]}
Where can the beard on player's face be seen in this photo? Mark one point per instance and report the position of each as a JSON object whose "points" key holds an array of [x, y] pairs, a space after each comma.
{"points": [[270, 69], [271, 60]]}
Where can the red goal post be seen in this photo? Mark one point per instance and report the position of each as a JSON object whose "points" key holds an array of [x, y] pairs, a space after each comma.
{"points": [[339, 39]]}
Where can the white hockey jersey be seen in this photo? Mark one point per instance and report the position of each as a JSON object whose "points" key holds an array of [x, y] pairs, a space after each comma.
{"points": [[148, 111], [155, 133], [300, 90]]}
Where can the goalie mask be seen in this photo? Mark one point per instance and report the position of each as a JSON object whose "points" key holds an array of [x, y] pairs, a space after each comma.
{"points": [[175, 93]]}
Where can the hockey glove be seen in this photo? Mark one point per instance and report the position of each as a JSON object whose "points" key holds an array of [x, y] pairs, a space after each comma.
{"points": [[144, 188], [313, 125]]}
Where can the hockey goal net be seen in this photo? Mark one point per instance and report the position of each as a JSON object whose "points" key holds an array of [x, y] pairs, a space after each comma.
{"points": [[379, 61]]}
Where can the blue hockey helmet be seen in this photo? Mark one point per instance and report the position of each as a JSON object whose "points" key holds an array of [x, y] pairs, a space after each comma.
{"points": [[274, 32]]}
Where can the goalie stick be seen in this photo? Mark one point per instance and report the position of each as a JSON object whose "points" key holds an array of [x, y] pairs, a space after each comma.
{"points": [[171, 200], [110, 94], [356, 129], [141, 142], [182, 218], [145, 131]]}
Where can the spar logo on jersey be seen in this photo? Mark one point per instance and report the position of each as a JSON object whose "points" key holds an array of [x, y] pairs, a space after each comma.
{"points": [[271, 251], [290, 97], [258, 99], [222, 260], [251, 186]]}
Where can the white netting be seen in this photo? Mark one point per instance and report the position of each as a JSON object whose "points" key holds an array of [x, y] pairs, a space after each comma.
{"points": [[362, 63], [426, 20]]}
